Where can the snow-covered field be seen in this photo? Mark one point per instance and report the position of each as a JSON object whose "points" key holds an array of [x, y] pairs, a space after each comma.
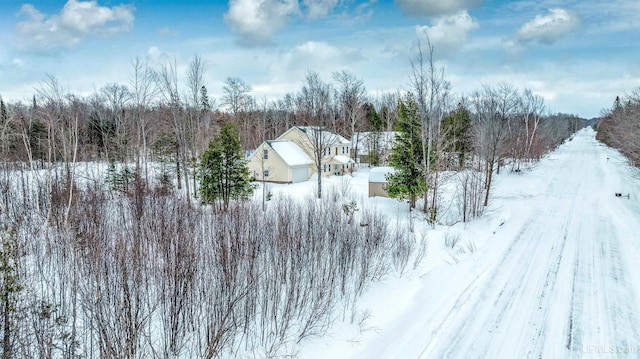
{"points": [[554, 274]]}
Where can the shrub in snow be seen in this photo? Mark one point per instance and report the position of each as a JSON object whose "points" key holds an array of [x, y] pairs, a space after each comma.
{"points": [[143, 274]]}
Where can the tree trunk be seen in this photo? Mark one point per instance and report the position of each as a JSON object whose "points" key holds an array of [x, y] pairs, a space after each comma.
{"points": [[320, 181], [178, 174], [6, 335], [489, 178]]}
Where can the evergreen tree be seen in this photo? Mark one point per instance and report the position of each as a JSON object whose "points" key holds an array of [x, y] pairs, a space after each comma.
{"points": [[38, 139], [373, 142], [407, 156], [4, 116], [205, 105], [223, 172], [456, 129]]}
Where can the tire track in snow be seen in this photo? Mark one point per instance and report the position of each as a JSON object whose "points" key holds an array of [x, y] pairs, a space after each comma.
{"points": [[530, 258], [474, 295], [540, 317], [602, 311]]}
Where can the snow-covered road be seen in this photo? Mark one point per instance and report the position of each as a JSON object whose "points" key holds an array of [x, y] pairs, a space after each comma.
{"points": [[560, 278]]}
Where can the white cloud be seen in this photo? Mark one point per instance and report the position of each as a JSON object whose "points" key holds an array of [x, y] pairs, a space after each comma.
{"points": [[547, 29], [156, 57], [433, 8], [18, 63], [165, 31], [76, 21], [448, 34], [321, 57], [319, 8], [256, 21]]}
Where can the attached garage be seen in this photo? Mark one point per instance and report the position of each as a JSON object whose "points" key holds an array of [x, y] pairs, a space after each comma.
{"points": [[299, 174], [279, 162]]}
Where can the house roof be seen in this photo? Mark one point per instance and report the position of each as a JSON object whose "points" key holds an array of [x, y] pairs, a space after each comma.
{"points": [[378, 174], [341, 159], [385, 140], [290, 153], [329, 137]]}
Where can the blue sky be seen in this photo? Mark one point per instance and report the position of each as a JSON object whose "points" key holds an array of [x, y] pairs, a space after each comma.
{"points": [[577, 54]]}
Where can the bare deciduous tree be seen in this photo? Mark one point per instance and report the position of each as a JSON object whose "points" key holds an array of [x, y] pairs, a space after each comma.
{"points": [[351, 94], [314, 103]]}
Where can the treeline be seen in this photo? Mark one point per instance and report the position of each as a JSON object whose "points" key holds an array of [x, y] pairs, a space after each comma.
{"points": [[165, 117], [620, 127]]}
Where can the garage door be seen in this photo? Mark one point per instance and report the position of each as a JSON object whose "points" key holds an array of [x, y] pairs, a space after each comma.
{"points": [[300, 174]]}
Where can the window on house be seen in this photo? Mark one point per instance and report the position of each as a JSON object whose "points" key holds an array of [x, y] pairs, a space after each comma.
{"points": [[265, 173], [265, 154]]}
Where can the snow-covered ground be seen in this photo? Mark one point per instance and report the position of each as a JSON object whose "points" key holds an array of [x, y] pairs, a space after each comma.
{"points": [[554, 274]]}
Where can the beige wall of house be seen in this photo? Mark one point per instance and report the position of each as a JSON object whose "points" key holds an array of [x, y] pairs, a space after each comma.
{"points": [[302, 140], [278, 171]]}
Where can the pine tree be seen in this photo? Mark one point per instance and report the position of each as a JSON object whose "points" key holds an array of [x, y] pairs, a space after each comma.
{"points": [[223, 172], [4, 117], [373, 142], [407, 156], [456, 129], [205, 105]]}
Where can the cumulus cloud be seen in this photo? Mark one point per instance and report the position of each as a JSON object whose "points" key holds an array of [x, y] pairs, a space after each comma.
{"points": [[319, 8], [77, 21], [256, 21], [549, 28], [434, 8], [18, 63], [447, 34], [312, 55]]}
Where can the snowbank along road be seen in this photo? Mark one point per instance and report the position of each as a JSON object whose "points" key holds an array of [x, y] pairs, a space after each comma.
{"points": [[559, 279]]}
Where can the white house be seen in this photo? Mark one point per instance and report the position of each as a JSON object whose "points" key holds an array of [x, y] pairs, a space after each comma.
{"points": [[369, 143]]}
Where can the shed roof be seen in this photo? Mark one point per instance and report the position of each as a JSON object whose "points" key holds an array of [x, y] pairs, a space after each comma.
{"points": [[378, 174]]}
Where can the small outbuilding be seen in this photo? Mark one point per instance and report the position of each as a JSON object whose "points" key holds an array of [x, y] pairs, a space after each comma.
{"points": [[378, 181]]}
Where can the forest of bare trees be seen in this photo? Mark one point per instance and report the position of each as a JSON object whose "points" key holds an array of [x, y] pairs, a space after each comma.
{"points": [[105, 253]]}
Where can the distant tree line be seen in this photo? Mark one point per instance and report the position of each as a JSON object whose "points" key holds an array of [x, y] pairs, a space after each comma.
{"points": [[619, 127]]}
